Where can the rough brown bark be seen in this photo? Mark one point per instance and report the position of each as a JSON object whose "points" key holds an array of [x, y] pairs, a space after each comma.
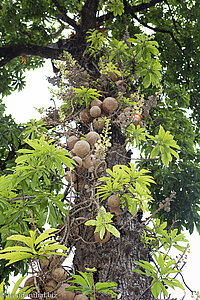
{"points": [[114, 260]]}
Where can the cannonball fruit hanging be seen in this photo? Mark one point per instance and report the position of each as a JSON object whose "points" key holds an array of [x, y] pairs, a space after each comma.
{"points": [[110, 105], [81, 297], [95, 111], [92, 137], [62, 294], [113, 201], [81, 148], [72, 141]]}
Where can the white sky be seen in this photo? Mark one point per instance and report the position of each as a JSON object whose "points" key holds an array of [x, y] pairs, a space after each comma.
{"points": [[21, 105], [36, 94]]}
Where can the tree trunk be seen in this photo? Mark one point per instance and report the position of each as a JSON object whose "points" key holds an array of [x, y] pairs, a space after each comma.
{"points": [[114, 260]]}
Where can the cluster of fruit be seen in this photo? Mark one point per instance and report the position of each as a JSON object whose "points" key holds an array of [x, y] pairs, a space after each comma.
{"points": [[84, 151], [52, 284], [98, 109]]}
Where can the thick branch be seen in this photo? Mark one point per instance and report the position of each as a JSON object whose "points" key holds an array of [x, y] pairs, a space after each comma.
{"points": [[63, 16], [89, 14], [75, 46], [10, 52]]}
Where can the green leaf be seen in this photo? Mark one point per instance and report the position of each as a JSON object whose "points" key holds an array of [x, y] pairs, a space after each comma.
{"points": [[46, 234], [91, 222], [14, 257], [1, 290], [157, 287], [16, 286], [147, 80], [113, 230], [155, 152], [21, 238], [102, 232]]}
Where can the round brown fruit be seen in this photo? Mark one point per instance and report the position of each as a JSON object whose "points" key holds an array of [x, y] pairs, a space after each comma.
{"points": [[81, 148], [98, 123], [104, 240], [95, 111], [62, 294], [88, 161], [29, 281], [81, 297], [59, 274], [78, 161], [117, 211], [72, 141], [50, 285], [110, 104], [70, 176], [85, 116], [114, 201], [92, 137], [54, 261], [96, 102]]}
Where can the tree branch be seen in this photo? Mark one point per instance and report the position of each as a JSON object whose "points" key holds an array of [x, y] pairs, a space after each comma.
{"points": [[64, 17], [128, 9], [160, 30], [89, 15], [10, 52], [74, 45], [173, 20]]}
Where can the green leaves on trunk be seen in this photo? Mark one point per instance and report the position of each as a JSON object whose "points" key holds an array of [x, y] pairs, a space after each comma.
{"points": [[102, 223], [85, 284], [162, 269], [39, 165], [161, 273], [147, 63], [86, 95], [132, 185]]}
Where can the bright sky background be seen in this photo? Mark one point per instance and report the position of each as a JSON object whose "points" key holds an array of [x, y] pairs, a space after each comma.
{"points": [[36, 94]]}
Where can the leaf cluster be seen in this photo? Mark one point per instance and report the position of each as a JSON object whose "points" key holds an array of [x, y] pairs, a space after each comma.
{"points": [[132, 185], [35, 246], [102, 223], [147, 63], [14, 295], [87, 286], [44, 160], [161, 273], [162, 267], [164, 142], [86, 95]]}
